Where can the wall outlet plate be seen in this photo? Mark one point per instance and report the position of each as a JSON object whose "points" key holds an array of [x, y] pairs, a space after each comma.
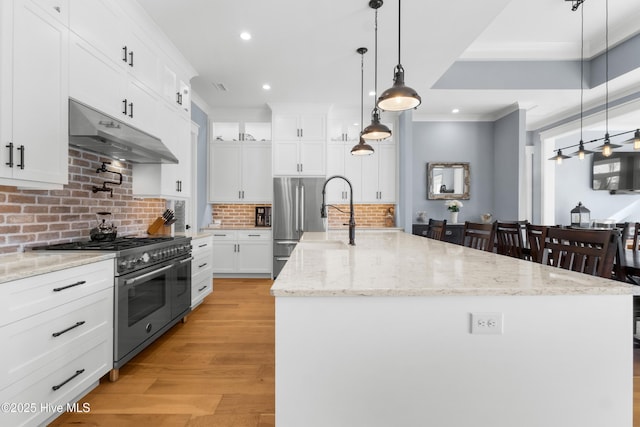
{"points": [[487, 323]]}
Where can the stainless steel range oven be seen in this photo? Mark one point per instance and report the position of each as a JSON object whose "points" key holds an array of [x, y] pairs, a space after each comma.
{"points": [[152, 289]]}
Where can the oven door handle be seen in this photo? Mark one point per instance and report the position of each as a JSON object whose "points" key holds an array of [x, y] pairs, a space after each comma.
{"points": [[147, 275], [186, 260]]}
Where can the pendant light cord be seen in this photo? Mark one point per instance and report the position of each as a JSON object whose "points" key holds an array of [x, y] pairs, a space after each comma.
{"points": [[361, 92], [399, 30], [581, 70], [607, 66], [375, 72]]}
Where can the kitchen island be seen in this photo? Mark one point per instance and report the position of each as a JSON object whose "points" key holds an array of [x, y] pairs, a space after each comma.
{"points": [[380, 334]]}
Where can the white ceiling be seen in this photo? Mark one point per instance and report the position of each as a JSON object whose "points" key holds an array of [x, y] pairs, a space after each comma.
{"points": [[306, 51]]}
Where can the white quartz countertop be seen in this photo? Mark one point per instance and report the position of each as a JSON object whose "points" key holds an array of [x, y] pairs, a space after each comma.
{"points": [[21, 265], [400, 264]]}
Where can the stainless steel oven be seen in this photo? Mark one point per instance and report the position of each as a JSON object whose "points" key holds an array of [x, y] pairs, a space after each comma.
{"points": [[148, 302]]}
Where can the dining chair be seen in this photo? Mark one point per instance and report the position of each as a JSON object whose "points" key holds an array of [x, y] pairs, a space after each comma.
{"points": [[536, 236], [636, 236], [479, 236], [585, 251], [510, 239], [436, 229]]}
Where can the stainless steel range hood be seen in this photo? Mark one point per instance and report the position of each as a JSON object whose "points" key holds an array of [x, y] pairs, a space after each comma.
{"points": [[92, 130]]}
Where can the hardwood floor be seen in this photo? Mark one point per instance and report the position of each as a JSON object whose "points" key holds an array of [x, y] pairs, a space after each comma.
{"points": [[216, 370]]}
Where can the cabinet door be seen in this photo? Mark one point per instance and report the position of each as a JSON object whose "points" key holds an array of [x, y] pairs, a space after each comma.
{"points": [[142, 107], [387, 173], [312, 158], [286, 127], [257, 182], [370, 175], [353, 172], [336, 188], [224, 256], [312, 127], [94, 79], [175, 177], [254, 257], [39, 113], [100, 24], [285, 158], [142, 61], [224, 171]]}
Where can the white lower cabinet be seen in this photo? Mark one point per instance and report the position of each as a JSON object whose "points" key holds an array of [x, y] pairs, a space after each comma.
{"points": [[60, 330], [201, 269], [242, 252]]}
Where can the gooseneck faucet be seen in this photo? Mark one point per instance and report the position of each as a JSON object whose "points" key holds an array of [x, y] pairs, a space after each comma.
{"points": [[352, 220]]}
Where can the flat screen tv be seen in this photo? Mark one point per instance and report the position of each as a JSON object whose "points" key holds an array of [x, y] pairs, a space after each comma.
{"points": [[618, 173]]}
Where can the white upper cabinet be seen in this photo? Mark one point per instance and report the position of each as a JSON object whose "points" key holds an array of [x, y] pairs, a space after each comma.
{"points": [[240, 172], [299, 144], [34, 109], [379, 174]]}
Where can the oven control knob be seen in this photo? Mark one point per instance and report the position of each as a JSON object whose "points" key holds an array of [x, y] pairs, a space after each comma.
{"points": [[145, 257], [123, 265]]}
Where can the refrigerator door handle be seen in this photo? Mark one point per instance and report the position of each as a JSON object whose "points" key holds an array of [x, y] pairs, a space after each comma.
{"points": [[287, 242], [302, 208], [297, 208]]}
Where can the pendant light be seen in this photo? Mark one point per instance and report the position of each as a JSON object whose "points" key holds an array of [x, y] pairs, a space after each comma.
{"points": [[559, 157], [607, 147], [635, 140], [399, 97], [362, 148], [376, 130], [581, 153]]}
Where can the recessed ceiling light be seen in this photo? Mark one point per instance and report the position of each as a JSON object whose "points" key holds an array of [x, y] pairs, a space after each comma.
{"points": [[245, 35], [455, 111], [266, 86]]}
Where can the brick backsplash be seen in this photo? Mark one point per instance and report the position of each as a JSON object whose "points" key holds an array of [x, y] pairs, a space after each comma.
{"points": [[36, 217], [367, 215], [235, 215]]}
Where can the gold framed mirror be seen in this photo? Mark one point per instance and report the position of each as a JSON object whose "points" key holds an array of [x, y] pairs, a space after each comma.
{"points": [[448, 181]]}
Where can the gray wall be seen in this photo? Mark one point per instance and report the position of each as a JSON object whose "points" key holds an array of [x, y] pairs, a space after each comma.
{"points": [[508, 158], [573, 185], [203, 209], [471, 142]]}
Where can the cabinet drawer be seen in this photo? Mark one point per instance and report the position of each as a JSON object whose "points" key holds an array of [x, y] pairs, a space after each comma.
{"points": [[201, 288], [26, 297], [36, 340], [225, 235], [71, 375], [254, 235], [200, 263], [201, 246]]}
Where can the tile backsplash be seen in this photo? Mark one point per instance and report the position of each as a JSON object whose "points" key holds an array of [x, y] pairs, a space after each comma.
{"points": [[235, 215], [37, 217]]}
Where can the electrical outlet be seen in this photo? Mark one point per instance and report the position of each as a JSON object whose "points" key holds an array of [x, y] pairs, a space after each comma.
{"points": [[487, 323]]}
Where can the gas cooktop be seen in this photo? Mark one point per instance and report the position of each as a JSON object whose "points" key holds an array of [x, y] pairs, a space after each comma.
{"points": [[118, 244]]}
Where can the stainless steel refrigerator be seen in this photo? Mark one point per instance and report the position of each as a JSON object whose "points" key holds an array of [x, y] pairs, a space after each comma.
{"points": [[296, 209]]}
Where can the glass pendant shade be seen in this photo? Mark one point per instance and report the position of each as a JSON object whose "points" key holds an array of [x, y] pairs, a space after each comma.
{"points": [[362, 148], [376, 130], [399, 97]]}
